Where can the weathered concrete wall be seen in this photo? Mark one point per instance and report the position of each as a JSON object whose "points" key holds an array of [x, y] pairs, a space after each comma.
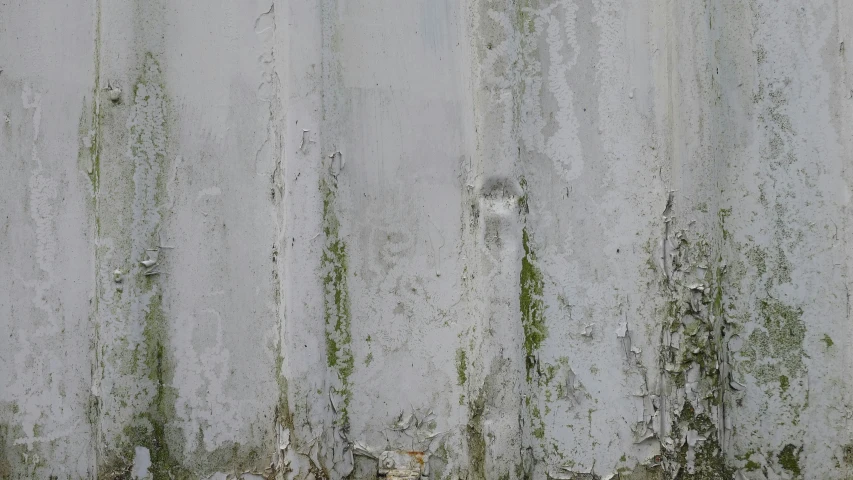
{"points": [[529, 239]]}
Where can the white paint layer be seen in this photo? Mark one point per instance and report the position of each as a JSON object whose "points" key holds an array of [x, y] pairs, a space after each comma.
{"points": [[544, 239]]}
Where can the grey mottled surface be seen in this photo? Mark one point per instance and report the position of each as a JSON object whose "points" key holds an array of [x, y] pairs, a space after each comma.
{"points": [[544, 239]]}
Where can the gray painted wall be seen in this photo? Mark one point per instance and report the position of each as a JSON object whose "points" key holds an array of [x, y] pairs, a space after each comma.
{"points": [[515, 239]]}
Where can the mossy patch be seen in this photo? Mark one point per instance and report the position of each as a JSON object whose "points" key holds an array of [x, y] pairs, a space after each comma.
{"points": [[461, 366], [695, 311], [282, 409], [751, 466], [784, 383], [89, 154], [709, 462], [336, 303], [531, 302], [847, 454], [789, 458], [475, 438], [154, 426], [723, 214], [14, 458], [539, 430]]}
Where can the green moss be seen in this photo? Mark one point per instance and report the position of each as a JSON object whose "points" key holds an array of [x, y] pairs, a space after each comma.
{"points": [[784, 383], [827, 340], [789, 458], [336, 308], [531, 301], [461, 366]]}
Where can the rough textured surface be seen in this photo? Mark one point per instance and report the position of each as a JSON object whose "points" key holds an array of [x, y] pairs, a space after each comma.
{"points": [[545, 239]]}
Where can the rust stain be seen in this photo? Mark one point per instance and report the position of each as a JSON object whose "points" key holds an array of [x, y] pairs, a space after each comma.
{"points": [[418, 456]]}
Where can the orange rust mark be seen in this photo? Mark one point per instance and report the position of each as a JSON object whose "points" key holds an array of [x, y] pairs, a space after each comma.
{"points": [[419, 456]]}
